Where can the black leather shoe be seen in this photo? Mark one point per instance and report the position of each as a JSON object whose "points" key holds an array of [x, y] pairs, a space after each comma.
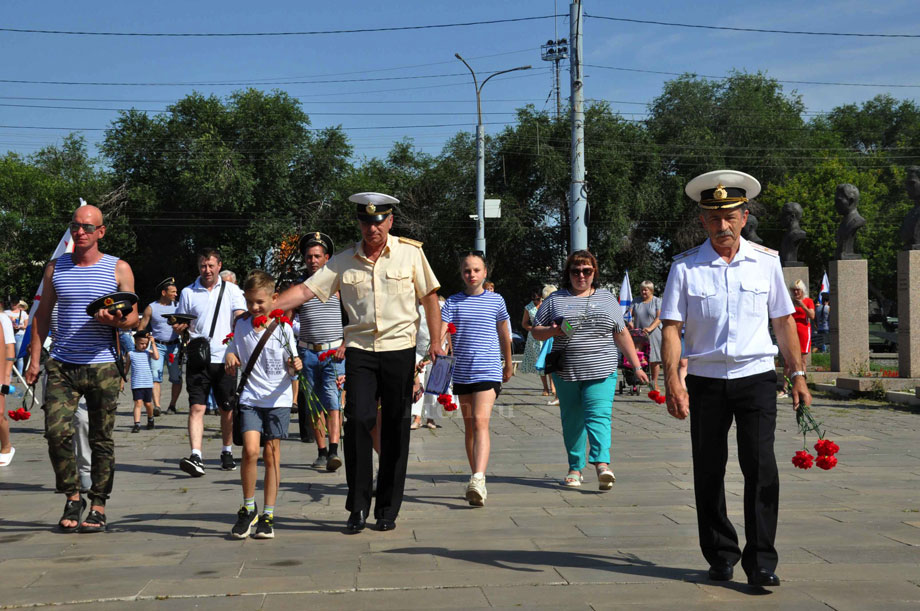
{"points": [[384, 524], [356, 522], [762, 578], [721, 572]]}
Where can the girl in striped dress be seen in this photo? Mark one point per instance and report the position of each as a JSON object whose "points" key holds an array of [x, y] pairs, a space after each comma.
{"points": [[481, 340]]}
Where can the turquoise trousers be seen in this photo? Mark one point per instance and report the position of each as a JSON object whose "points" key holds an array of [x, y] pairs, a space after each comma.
{"points": [[586, 408]]}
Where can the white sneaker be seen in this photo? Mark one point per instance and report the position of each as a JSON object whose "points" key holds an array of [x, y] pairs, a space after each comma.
{"points": [[476, 491]]}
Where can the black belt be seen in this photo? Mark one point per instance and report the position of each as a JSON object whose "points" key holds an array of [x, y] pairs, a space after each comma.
{"points": [[170, 343]]}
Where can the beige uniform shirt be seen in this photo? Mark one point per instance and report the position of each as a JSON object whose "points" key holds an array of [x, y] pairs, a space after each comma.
{"points": [[380, 298]]}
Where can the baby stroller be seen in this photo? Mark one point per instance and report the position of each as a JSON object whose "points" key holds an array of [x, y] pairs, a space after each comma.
{"points": [[628, 378]]}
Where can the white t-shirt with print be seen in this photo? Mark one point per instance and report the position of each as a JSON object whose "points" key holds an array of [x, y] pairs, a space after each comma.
{"points": [[269, 384]]}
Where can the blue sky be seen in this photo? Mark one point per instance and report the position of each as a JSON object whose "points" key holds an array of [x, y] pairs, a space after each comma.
{"points": [[375, 113]]}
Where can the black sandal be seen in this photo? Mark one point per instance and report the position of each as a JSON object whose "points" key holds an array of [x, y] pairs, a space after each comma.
{"points": [[72, 511], [94, 522]]}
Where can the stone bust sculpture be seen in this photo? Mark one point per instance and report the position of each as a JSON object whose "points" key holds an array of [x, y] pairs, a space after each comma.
{"points": [[845, 200], [749, 231], [790, 217], [910, 228]]}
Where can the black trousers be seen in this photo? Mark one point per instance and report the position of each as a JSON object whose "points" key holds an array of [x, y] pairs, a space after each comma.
{"points": [[369, 376], [751, 402]]}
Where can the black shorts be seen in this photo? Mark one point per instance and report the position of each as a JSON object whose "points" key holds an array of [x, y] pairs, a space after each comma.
{"points": [[142, 394], [199, 385], [468, 389]]}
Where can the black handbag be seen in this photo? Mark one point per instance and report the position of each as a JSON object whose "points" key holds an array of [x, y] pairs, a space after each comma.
{"points": [[554, 361], [198, 350], [233, 404]]}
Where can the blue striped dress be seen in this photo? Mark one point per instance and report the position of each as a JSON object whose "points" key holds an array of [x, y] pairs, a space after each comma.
{"points": [[78, 338], [476, 350]]}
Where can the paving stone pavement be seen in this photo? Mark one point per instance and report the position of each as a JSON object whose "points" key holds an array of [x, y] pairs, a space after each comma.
{"points": [[848, 538]]}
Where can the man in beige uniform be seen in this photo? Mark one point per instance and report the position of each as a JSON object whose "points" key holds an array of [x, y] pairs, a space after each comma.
{"points": [[381, 279]]}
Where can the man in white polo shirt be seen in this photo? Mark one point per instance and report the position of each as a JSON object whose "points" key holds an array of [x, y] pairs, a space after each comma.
{"points": [[206, 298]]}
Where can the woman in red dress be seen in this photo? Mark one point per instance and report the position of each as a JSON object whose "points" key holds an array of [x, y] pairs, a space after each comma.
{"points": [[803, 315]]}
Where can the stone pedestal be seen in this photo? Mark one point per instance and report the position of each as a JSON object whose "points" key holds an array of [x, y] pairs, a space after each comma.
{"points": [[791, 273], [849, 315], [909, 313]]}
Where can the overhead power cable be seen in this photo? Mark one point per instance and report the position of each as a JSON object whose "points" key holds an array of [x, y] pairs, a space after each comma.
{"points": [[758, 30], [288, 33], [723, 77]]}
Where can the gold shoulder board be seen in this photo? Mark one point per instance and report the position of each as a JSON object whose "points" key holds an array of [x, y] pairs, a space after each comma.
{"points": [[686, 253], [415, 243], [764, 249]]}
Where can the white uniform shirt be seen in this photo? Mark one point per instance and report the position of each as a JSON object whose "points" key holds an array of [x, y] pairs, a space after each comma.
{"points": [[269, 384], [197, 300], [726, 307]]}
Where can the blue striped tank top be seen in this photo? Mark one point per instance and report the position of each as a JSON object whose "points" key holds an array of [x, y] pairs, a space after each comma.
{"points": [[78, 338], [141, 373]]}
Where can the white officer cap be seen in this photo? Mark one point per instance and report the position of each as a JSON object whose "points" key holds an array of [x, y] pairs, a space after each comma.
{"points": [[373, 207], [722, 189]]}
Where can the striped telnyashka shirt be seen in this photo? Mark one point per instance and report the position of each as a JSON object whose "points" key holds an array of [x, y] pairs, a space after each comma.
{"points": [[78, 338]]}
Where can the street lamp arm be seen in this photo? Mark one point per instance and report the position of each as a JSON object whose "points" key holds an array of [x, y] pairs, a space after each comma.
{"points": [[503, 72], [475, 82]]}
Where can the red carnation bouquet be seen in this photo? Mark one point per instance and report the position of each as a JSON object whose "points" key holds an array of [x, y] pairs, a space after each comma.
{"points": [[447, 402], [19, 414], [314, 406], [657, 397], [825, 448]]}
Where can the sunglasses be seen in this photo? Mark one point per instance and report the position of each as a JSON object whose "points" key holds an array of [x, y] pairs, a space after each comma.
{"points": [[582, 271], [86, 227]]}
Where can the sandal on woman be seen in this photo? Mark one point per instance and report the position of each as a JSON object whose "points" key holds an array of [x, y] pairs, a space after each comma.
{"points": [[432, 425], [72, 512], [94, 522], [545, 393], [415, 424], [573, 480], [605, 479]]}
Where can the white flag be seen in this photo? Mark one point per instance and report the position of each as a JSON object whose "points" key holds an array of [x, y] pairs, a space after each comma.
{"points": [[626, 297], [64, 246], [825, 288]]}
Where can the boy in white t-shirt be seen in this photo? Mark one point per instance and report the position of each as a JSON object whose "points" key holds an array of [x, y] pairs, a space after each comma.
{"points": [[265, 402]]}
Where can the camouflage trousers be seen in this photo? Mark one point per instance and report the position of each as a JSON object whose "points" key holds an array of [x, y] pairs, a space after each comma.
{"points": [[99, 384]]}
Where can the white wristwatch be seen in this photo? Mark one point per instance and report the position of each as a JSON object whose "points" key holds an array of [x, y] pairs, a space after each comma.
{"points": [[797, 373]]}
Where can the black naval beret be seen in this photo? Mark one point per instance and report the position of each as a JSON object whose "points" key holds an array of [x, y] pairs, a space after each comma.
{"points": [[316, 238], [162, 286], [113, 302], [176, 318]]}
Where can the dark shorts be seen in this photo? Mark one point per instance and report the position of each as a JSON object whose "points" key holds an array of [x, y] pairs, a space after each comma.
{"points": [[468, 389], [199, 385], [272, 422], [142, 394]]}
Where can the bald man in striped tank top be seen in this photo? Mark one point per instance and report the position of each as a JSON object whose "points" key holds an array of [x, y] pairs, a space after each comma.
{"points": [[82, 364]]}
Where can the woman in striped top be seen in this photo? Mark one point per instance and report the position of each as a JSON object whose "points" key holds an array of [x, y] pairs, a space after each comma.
{"points": [[587, 324], [482, 339]]}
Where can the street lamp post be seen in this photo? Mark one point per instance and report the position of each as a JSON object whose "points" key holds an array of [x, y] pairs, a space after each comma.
{"points": [[480, 243]]}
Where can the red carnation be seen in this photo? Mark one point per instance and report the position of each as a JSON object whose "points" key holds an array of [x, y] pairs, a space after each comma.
{"points": [[653, 395], [227, 339], [450, 407], [451, 328], [803, 460], [326, 355], [827, 462], [26, 415], [172, 358], [826, 447], [12, 415], [276, 313], [259, 321], [284, 320], [660, 399]]}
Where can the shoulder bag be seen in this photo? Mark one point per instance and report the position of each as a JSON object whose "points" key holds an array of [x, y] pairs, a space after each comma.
{"points": [[198, 350], [234, 402]]}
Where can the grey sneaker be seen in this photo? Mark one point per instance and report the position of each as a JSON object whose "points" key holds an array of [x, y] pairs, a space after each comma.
{"points": [[476, 491], [226, 461], [192, 465], [244, 521], [333, 463], [265, 529], [320, 461]]}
